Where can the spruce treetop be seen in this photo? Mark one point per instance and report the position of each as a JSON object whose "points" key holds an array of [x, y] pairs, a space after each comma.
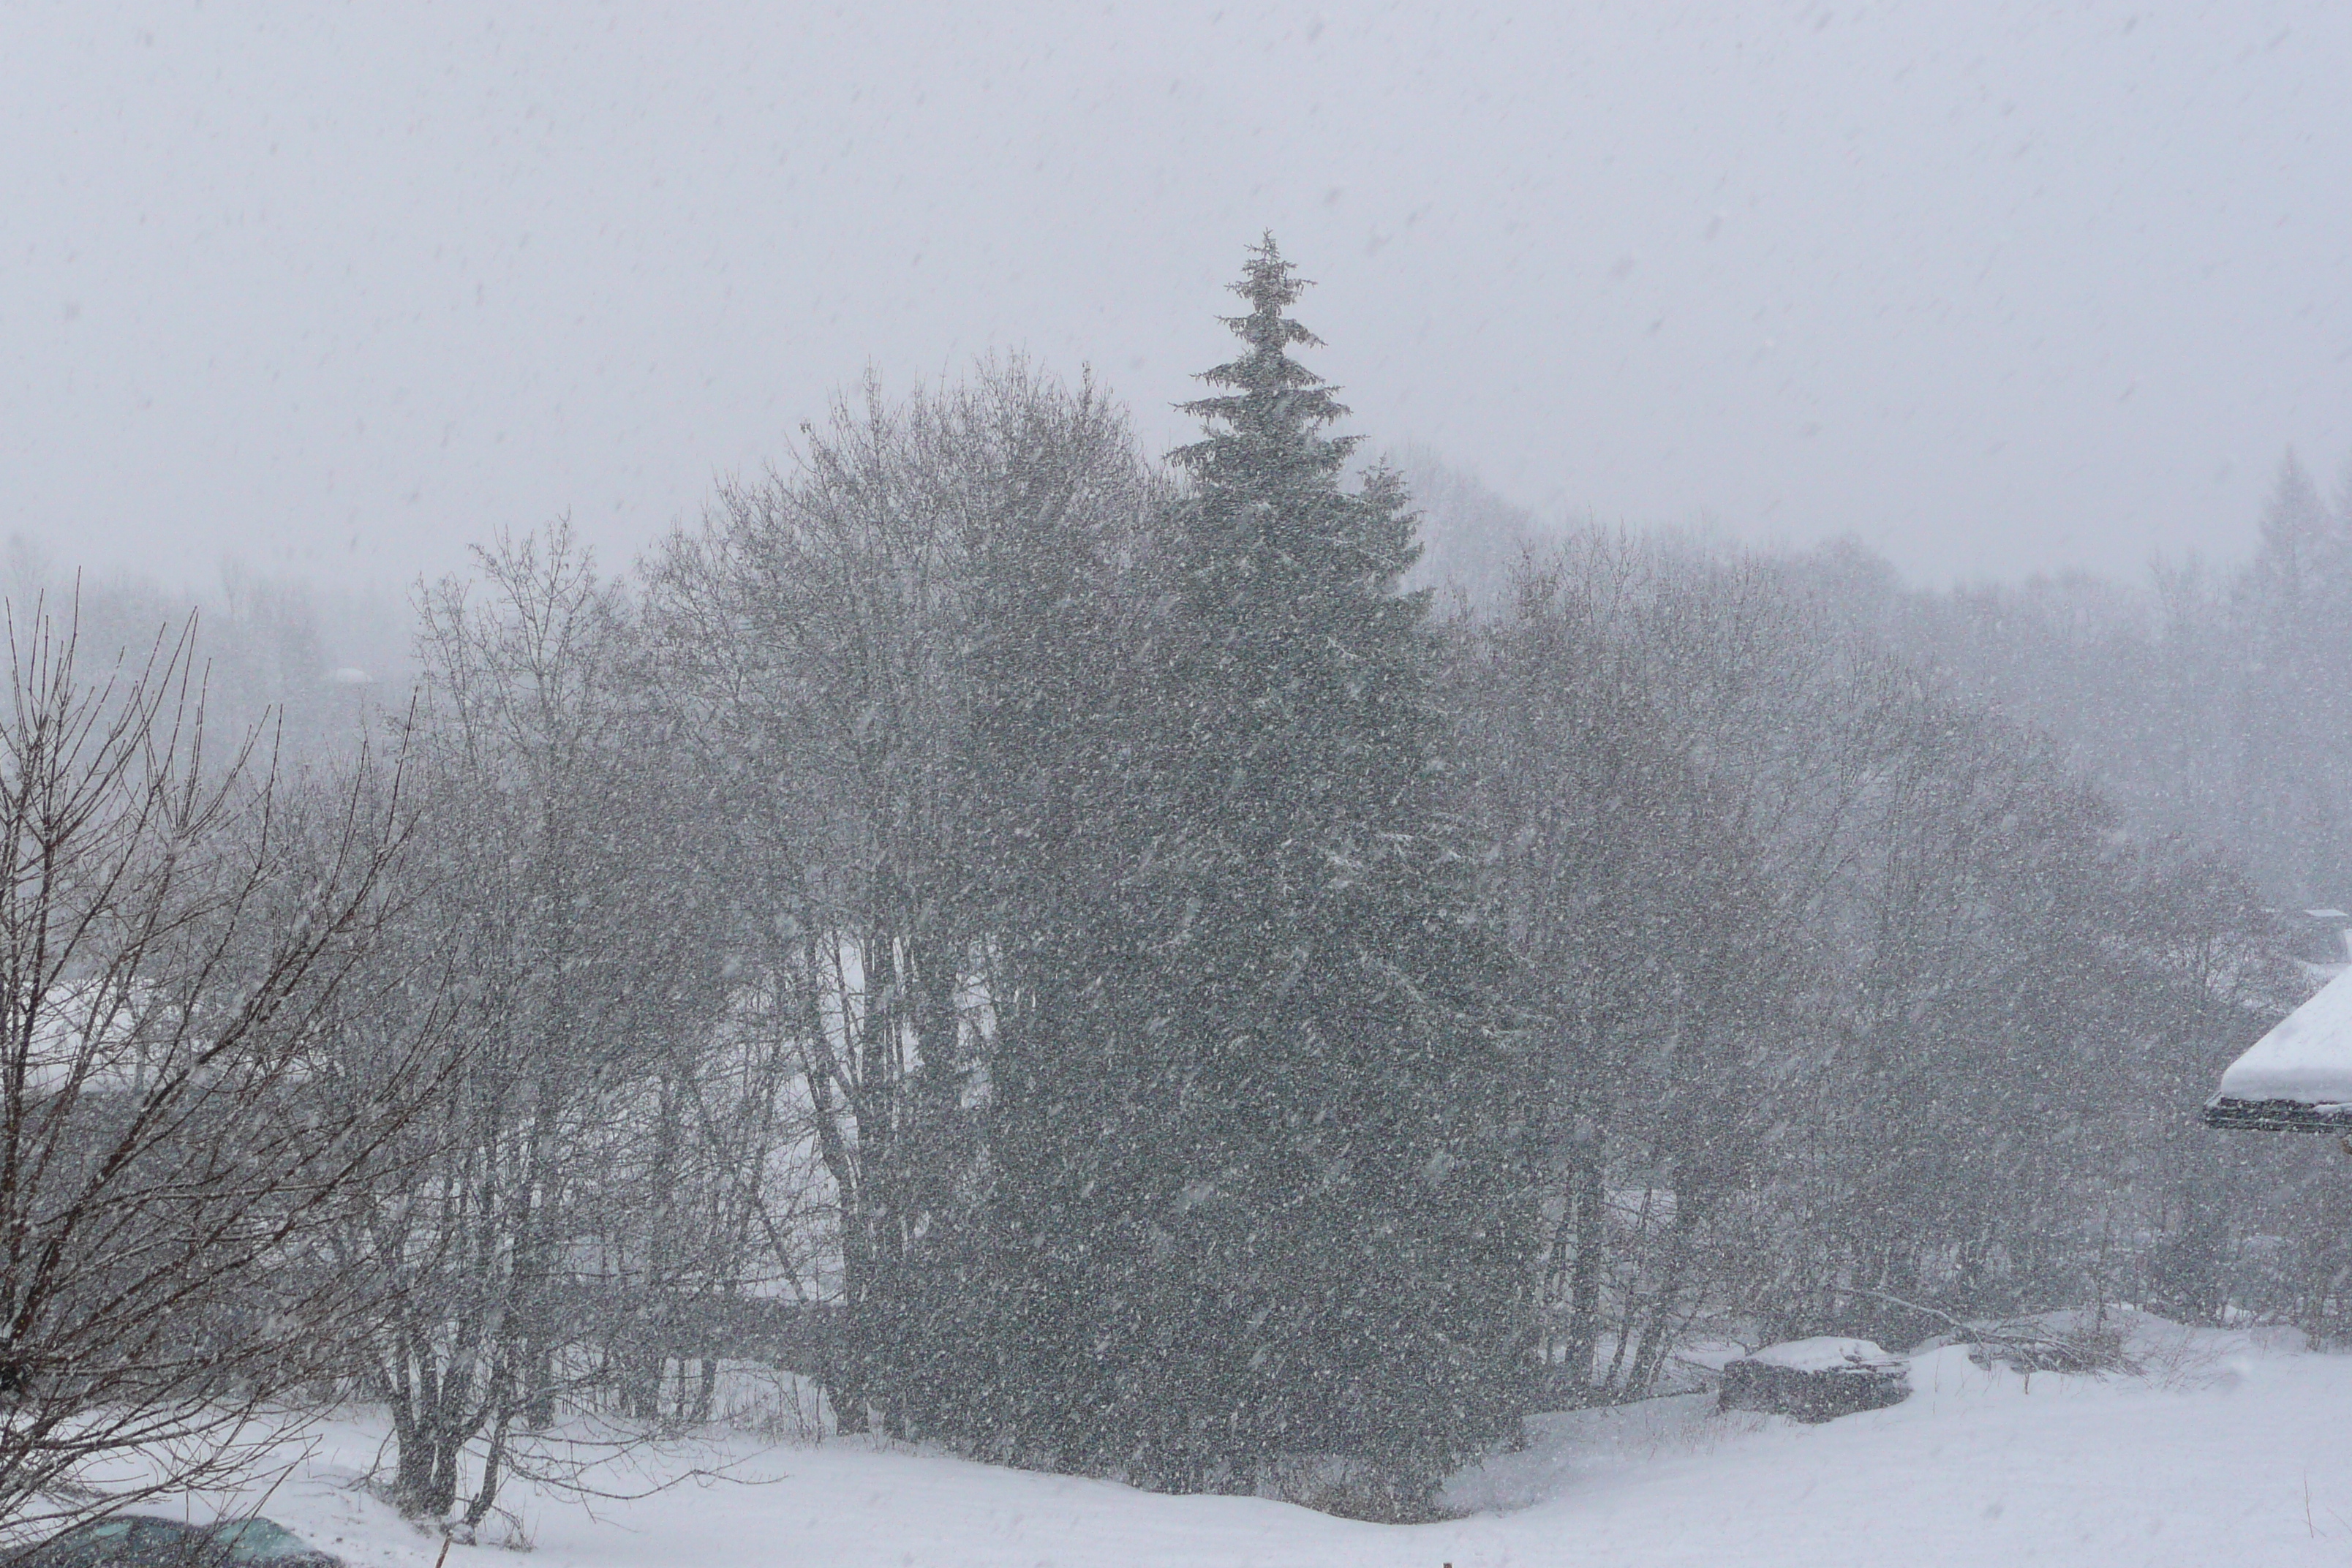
{"points": [[1274, 406], [1268, 519], [1305, 672]]}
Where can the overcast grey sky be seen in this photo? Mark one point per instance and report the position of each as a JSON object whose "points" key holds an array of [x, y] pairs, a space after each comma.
{"points": [[1993, 287]]}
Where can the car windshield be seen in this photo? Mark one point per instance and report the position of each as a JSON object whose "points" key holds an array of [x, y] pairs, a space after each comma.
{"points": [[83, 1544], [87, 1543], [256, 1540]]}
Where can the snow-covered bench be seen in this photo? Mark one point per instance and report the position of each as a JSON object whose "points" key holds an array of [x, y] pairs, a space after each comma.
{"points": [[1816, 1380]]}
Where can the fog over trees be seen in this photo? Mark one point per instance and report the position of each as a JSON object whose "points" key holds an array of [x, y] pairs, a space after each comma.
{"points": [[1248, 968]]}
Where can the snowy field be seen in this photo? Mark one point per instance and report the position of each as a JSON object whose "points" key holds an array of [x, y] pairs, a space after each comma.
{"points": [[2229, 1450]]}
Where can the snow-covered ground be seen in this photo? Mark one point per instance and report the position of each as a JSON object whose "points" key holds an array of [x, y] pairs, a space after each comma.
{"points": [[2232, 1450]]}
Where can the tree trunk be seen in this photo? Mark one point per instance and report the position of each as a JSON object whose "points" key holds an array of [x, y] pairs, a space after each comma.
{"points": [[1586, 1223]]}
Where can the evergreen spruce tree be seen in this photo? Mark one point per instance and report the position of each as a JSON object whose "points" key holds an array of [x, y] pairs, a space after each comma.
{"points": [[1333, 1225], [1253, 1183]]}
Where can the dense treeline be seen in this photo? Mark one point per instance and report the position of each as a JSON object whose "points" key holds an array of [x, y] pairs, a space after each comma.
{"points": [[1085, 962]]}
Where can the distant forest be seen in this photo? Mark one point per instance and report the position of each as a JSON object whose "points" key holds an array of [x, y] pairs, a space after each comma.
{"points": [[2207, 699]]}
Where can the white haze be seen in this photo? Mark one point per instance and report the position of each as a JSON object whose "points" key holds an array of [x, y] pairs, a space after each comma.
{"points": [[1991, 287]]}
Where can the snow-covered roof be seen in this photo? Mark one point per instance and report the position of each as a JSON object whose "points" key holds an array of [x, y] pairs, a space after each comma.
{"points": [[2297, 1076]]}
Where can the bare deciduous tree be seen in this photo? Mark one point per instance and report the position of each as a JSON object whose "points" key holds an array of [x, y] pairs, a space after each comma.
{"points": [[533, 1254], [177, 931], [840, 630]]}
